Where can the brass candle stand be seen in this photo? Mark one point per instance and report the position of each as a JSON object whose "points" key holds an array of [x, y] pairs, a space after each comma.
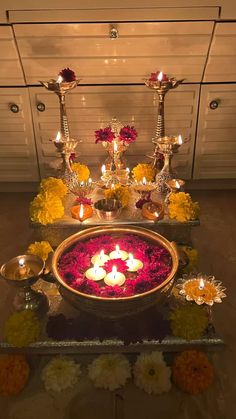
{"points": [[161, 84], [116, 148]]}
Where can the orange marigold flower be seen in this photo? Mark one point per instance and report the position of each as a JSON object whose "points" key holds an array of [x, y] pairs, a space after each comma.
{"points": [[192, 372], [14, 374]]}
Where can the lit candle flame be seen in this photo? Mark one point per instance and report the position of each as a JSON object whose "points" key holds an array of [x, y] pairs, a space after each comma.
{"points": [[160, 76], [131, 259], [156, 214], [60, 79], [180, 140], [127, 170], [21, 262], [101, 256], [201, 283], [90, 181], [115, 147], [58, 137], [103, 169], [144, 181], [82, 183], [81, 211], [112, 186], [177, 184], [117, 249], [114, 271]]}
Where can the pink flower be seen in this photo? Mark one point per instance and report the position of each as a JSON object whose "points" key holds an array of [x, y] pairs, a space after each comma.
{"points": [[86, 286], [110, 291], [120, 264], [128, 134], [84, 201], [67, 74], [105, 134], [105, 242]]}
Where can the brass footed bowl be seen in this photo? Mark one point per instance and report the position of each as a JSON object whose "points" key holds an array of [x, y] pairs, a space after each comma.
{"points": [[115, 307]]}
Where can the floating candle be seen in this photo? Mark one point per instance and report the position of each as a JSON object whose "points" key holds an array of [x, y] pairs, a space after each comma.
{"points": [[133, 264], [100, 259], [118, 254], [114, 277], [96, 273]]}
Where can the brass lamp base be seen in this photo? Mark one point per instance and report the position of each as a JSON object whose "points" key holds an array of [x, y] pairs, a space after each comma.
{"points": [[28, 299]]}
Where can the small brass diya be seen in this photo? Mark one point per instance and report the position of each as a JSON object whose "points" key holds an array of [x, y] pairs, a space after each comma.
{"points": [[22, 272], [153, 211], [175, 185], [108, 209], [121, 306], [201, 289]]}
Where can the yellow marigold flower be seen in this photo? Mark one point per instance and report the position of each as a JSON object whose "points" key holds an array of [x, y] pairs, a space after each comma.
{"points": [[22, 328], [46, 208], [41, 249], [182, 208], [54, 186], [81, 170], [192, 256], [189, 321], [143, 170], [119, 192], [192, 372], [14, 374]]}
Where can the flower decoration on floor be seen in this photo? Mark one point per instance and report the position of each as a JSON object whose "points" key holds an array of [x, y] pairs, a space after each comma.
{"points": [[41, 249], [22, 328], [192, 372], [201, 289], [192, 255], [46, 208], [182, 208], [109, 371], [60, 374], [189, 321], [54, 186], [67, 75], [151, 373], [119, 192], [81, 170], [105, 134], [143, 170], [14, 374]]}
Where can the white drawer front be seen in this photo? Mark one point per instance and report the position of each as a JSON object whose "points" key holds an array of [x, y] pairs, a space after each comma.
{"points": [[10, 68]]}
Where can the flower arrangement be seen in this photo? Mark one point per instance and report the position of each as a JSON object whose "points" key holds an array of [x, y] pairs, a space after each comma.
{"points": [[46, 208], [120, 264], [192, 255], [182, 208], [81, 170], [156, 265], [189, 321], [22, 328], [151, 373], [109, 371], [14, 374], [143, 170], [192, 372], [41, 249], [119, 192], [60, 374], [127, 135], [54, 186], [67, 75]]}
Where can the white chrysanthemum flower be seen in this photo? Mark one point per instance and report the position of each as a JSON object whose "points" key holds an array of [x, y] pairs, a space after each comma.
{"points": [[109, 371], [151, 373], [60, 373]]}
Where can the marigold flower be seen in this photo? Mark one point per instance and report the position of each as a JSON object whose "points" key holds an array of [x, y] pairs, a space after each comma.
{"points": [[54, 186], [189, 321], [14, 374], [192, 372], [182, 208], [119, 192], [41, 249], [46, 208], [143, 170], [81, 170], [22, 328]]}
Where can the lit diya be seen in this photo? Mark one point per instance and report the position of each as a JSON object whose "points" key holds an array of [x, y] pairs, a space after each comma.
{"points": [[175, 185], [202, 289], [153, 211]]}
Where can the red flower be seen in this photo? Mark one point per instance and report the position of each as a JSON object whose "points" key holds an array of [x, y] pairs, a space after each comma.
{"points": [[120, 264], [67, 74], [110, 291], [105, 134], [128, 134], [87, 286], [84, 201], [153, 76]]}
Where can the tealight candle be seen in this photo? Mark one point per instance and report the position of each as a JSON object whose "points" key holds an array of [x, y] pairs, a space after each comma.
{"points": [[118, 254], [133, 264], [114, 277], [100, 259], [96, 273]]}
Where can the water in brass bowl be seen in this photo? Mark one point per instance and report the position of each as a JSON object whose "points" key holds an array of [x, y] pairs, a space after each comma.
{"points": [[119, 306], [108, 209]]}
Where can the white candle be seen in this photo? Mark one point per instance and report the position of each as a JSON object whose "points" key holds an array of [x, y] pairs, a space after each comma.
{"points": [[201, 283], [100, 259], [133, 264], [96, 273], [114, 277], [58, 137], [118, 254]]}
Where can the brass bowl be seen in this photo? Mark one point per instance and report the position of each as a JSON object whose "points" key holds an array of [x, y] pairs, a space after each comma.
{"points": [[115, 307], [108, 209], [35, 264]]}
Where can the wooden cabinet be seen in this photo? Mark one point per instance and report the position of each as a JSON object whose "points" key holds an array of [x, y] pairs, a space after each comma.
{"points": [[18, 159], [10, 69], [215, 155], [92, 107]]}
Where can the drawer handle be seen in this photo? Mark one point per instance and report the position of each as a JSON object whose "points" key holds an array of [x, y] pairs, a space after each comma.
{"points": [[41, 107], [14, 107], [214, 104]]}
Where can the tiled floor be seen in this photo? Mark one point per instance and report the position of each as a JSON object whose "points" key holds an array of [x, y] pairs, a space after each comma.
{"points": [[216, 242]]}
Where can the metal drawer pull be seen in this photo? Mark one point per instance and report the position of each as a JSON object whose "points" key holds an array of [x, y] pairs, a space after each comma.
{"points": [[214, 104], [14, 108], [41, 107]]}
